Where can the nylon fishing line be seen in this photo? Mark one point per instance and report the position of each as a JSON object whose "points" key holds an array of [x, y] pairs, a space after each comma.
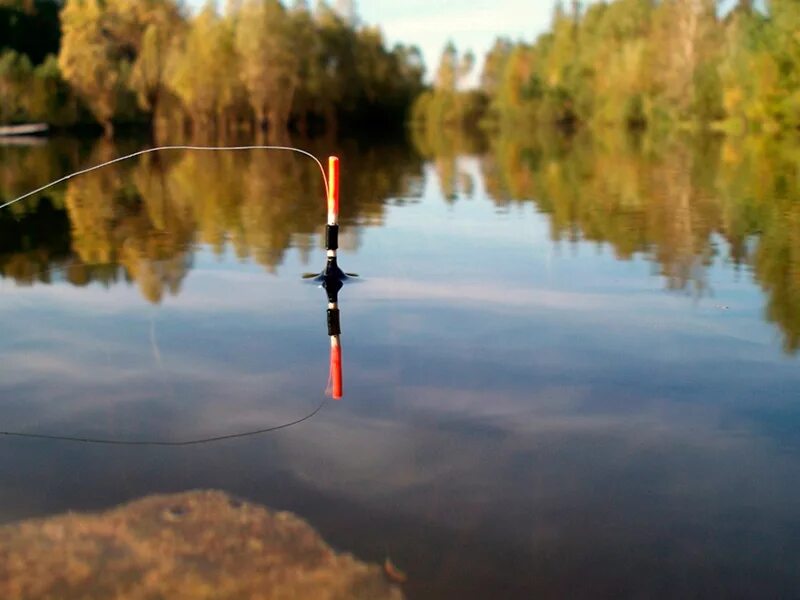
{"points": [[159, 148], [192, 442]]}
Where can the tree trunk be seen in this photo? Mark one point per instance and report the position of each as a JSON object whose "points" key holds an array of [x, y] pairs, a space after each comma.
{"points": [[108, 129]]}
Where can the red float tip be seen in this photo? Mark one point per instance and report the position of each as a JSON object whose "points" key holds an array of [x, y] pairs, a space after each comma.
{"points": [[336, 369], [333, 190]]}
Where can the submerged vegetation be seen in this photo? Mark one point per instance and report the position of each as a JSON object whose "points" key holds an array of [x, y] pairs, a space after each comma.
{"points": [[256, 66], [635, 64]]}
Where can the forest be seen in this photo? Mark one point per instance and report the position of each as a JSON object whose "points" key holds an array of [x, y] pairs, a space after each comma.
{"points": [[264, 65], [633, 64], [255, 66]]}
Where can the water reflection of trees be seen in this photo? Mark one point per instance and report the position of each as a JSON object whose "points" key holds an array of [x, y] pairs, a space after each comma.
{"points": [[759, 184], [140, 221], [678, 203], [674, 202], [23, 168], [30, 243]]}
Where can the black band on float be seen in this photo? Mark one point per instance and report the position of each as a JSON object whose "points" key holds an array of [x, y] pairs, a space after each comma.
{"points": [[332, 237], [333, 322]]}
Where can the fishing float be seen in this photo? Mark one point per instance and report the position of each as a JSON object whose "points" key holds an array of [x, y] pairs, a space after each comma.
{"points": [[332, 270], [333, 278]]}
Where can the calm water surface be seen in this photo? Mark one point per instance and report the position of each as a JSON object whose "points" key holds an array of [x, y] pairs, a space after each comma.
{"points": [[570, 369]]}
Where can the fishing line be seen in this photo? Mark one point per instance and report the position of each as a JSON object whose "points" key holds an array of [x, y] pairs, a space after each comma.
{"points": [[162, 443], [194, 442], [158, 148]]}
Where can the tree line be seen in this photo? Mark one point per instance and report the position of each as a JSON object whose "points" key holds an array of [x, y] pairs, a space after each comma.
{"points": [[634, 64], [256, 65]]}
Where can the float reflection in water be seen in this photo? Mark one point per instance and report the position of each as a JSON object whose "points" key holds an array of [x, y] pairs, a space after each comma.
{"points": [[335, 332]]}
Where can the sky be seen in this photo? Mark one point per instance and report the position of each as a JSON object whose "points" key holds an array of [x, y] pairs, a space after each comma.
{"points": [[471, 24]]}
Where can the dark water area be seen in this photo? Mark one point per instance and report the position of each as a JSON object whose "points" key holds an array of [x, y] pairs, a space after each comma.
{"points": [[570, 367]]}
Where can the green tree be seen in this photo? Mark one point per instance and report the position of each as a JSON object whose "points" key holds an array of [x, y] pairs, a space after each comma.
{"points": [[15, 74], [50, 98], [447, 104], [494, 65], [786, 25], [30, 27], [90, 59], [203, 70], [268, 60], [157, 28]]}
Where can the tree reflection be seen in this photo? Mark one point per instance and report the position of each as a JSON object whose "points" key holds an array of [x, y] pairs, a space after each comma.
{"points": [[673, 201], [141, 220], [683, 204], [31, 243]]}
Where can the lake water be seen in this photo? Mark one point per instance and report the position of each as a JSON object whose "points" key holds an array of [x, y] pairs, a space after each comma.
{"points": [[570, 367]]}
